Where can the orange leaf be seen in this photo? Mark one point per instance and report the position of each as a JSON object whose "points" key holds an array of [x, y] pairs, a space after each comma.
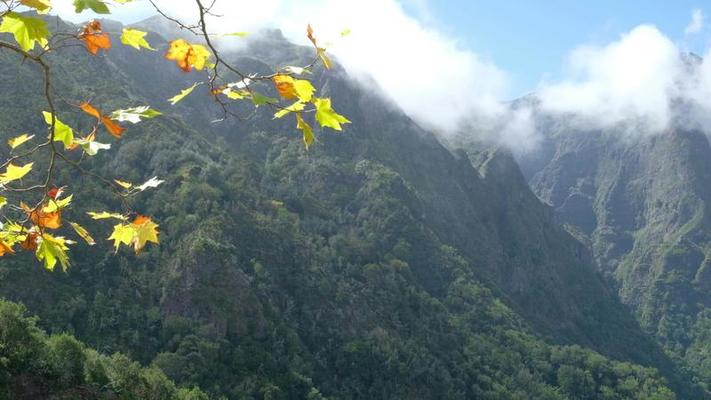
{"points": [[5, 249], [55, 192], [30, 242], [49, 220], [285, 86], [89, 109], [187, 56], [112, 127], [310, 34], [94, 38]]}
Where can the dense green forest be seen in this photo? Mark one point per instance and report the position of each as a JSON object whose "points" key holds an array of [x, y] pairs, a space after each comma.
{"points": [[376, 265]]}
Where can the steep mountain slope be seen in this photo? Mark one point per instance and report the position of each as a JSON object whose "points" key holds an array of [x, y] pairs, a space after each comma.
{"points": [[641, 203], [377, 265]]}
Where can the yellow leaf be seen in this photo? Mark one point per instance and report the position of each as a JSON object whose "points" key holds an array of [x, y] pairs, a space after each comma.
{"points": [[122, 234], [175, 99], [125, 185], [326, 116], [56, 205], [27, 31], [83, 233], [187, 56], [135, 39], [52, 249], [305, 128], [106, 215], [146, 231], [14, 172], [42, 6], [17, 141], [298, 106]]}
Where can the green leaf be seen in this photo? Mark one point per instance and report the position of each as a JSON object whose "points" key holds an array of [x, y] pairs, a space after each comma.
{"points": [[326, 116], [135, 39], [305, 128], [134, 114], [260, 99], [175, 99], [96, 6], [3, 202], [52, 249], [62, 132], [26, 30]]}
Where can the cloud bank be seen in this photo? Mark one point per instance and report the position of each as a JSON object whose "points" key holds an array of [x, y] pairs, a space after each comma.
{"points": [[635, 82], [427, 73]]}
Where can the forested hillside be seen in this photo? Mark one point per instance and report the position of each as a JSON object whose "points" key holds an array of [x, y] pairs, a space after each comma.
{"points": [[376, 265], [640, 203]]}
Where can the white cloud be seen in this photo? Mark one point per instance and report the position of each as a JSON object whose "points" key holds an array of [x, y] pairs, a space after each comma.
{"points": [[630, 80], [431, 76], [696, 24]]}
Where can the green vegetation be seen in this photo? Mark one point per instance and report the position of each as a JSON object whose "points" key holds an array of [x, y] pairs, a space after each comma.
{"points": [[377, 265]]}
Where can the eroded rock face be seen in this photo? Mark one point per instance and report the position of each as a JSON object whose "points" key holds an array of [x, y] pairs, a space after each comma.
{"points": [[641, 204]]}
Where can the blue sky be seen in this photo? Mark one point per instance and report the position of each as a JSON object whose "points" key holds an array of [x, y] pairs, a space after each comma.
{"points": [[531, 39]]}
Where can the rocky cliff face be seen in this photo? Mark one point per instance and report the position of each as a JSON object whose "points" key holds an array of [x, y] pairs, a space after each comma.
{"points": [[641, 205]]}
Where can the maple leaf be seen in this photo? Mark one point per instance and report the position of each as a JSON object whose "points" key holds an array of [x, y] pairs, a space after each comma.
{"points": [[13, 172], [327, 117], [55, 192], [96, 6], [187, 56], [306, 130], [106, 215], [298, 106], [83, 233], [30, 242], [43, 219], [90, 145], [175, 99], [319, 50], [112, 127], [284, 85], [52, 249], [122, 234], [134, 114], [19, 140], [94, 38], [146, 231], [62, 132], [135, 39], [42, 6], [27, 31], [5, 248]]}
